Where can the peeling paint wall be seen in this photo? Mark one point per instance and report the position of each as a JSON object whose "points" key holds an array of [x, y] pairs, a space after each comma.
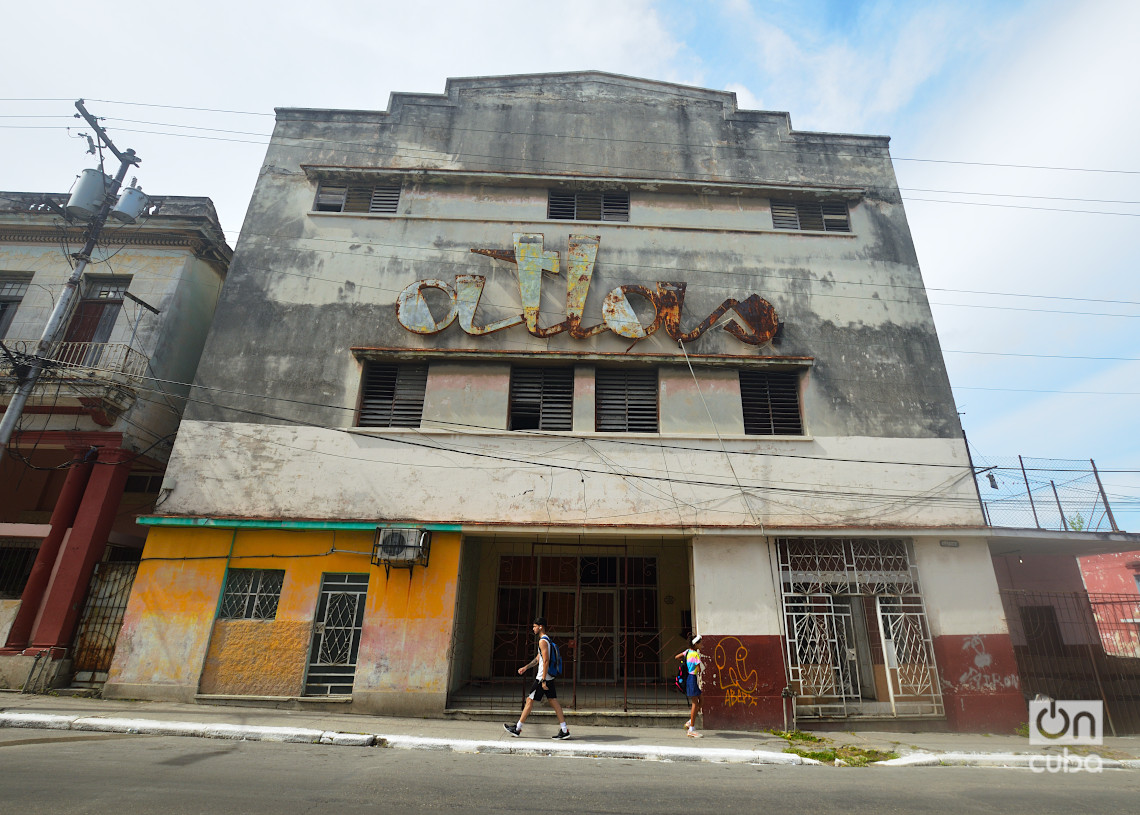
{"points": [[171, 638], [8, 609]]}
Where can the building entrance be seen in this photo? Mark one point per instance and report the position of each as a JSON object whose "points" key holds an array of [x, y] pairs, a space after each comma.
{"points": [[858, 642]]}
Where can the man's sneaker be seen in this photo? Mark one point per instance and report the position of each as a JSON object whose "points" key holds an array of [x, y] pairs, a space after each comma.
{"points": [[561, 734], [513, 730]]}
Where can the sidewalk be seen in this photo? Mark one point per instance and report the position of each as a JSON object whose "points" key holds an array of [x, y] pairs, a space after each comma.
{"points": [[650, 743]]}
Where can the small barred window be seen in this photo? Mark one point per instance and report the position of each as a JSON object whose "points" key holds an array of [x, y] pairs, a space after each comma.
{"points": [[251, 594]]}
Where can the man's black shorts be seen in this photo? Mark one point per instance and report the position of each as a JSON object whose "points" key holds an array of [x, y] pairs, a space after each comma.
{"points": [[537, 692]]}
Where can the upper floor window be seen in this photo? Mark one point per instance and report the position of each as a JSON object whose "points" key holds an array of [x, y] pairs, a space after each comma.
{"points": [[12, 291], [392, 395], [251, 594], [542, 398], [384, 198], [625, 400], [611, 205], [771, 402], [819, 216]]}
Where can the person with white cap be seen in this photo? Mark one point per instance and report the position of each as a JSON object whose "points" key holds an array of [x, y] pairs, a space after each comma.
{"points": [[694, 666]]}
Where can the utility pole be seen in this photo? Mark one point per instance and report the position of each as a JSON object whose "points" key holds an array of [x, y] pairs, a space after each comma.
{"points": [[55, 323]]}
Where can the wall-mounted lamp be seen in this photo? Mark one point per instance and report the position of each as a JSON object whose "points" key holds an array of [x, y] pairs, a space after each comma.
{"points": [[949, 544], [993, 481]]}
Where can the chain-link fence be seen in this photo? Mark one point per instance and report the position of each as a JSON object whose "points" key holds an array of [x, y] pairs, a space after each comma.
{"points": [[1043, 493]]}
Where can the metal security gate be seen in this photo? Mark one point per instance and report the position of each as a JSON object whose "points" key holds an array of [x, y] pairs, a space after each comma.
{"points": [[617, 611], [336, 635], [858, 642], [1075, 645], [99, 626]]}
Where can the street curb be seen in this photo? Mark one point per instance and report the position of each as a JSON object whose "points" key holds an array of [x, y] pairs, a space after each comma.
{"points": [[1040, 762], [525, 747], [150, 727]]}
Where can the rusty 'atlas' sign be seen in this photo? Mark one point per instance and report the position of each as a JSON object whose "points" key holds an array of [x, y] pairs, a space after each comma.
{"points": [[752, 320]]}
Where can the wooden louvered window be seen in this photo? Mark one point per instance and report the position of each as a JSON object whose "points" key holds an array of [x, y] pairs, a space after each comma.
{"points": [[612, 205], [371, 198], [625, 400], [392, 395], [817, 216], [771, 402], [542, 398]]}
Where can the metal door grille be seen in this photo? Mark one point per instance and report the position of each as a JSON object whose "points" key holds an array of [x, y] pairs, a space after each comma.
{"points": [[821, 649], [912, 677], [101, 621], [336, 635], [604, 608]]}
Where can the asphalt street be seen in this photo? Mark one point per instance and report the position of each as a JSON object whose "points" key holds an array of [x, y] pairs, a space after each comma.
{"points": [[77, 772]]}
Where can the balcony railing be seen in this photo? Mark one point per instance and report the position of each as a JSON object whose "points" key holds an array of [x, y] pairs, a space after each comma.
{"points": [[86, 358]]}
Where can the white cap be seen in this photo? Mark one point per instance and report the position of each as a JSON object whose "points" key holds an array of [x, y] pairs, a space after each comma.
{"points": [[697, 639]]}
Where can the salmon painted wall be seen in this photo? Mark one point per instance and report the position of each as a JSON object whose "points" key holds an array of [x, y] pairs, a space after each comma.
{"points": [[1118, 573], [166, 628]]}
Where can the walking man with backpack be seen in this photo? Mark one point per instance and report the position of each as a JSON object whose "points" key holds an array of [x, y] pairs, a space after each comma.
{"points": [[549, 663]]}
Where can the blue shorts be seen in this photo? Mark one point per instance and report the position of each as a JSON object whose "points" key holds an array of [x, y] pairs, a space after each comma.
{"points": [[691, 687]]}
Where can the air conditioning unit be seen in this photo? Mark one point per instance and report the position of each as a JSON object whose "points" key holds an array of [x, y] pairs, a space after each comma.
{"points": [[401, 546]]}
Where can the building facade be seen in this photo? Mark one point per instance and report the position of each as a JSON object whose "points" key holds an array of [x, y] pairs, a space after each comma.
{"points": [[91, 448], [604, 349]]}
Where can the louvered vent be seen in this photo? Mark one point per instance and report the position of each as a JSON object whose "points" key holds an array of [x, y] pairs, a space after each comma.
{"points": [[542, 398], [588, 206], [380, 198], [771, 402], [330, 198], [625, 400], [393, 395], [818, 216]]}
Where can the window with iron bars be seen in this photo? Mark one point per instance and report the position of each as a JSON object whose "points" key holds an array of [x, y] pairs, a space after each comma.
{"points": [[392, 395], [625, 400], [251, 594], [611, 205], [771, 403], [16, 558], [813, 216], [542, 398], [369, 198]]}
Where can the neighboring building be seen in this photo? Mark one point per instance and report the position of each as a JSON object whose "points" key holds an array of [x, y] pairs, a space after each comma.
{"points": [[91, 448], [635, 360]]}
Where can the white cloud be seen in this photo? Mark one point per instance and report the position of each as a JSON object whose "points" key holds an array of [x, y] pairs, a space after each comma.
{"points": [[745, 99]]}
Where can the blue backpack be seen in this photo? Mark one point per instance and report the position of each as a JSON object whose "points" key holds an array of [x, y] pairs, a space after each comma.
{"points": [[555, 669]]}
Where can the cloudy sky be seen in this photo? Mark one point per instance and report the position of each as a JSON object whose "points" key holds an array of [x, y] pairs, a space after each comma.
{"points": [[1014, 126]]}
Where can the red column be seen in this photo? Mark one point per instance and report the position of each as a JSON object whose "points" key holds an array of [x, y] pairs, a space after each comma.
{"points": [[62, 517], [59, 614]]}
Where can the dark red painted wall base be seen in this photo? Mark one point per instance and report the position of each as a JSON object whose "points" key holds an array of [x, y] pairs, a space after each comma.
{"points": [[744, 677], [981, 687]]}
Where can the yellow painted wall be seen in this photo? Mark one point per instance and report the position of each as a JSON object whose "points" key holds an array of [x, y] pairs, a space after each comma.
{"points": [[170, 612], [408, 622], [171, 637]]}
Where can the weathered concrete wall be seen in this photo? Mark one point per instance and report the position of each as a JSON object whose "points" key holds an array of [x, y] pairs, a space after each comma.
{"points": [[235, 470], [854, 301], [981, 686]]}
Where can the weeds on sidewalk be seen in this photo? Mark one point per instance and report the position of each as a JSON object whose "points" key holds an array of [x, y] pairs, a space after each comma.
{"points": [[847, 754], [796, 735]]}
